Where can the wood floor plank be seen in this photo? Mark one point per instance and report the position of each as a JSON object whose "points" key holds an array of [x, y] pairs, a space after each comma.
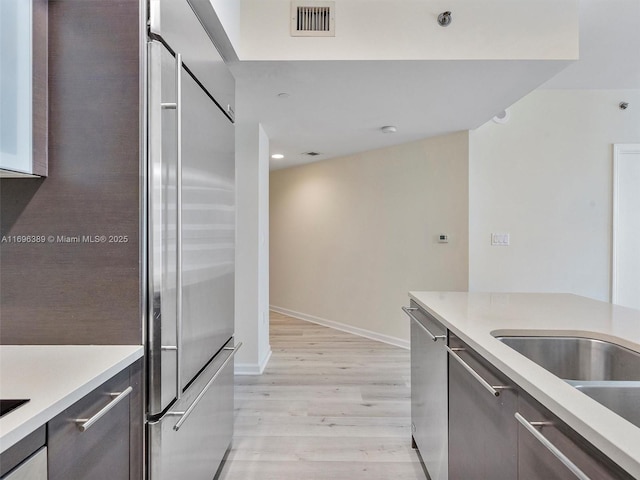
{"points": [[305, 426], [269, 470], [330, 405]]}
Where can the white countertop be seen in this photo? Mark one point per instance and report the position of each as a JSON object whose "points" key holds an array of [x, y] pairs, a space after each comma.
{"points": [[475, 316], [53, 377]]}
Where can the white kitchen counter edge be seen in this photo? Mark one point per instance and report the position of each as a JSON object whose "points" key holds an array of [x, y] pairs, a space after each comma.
{"points": [[614, 436], [108, 360]]}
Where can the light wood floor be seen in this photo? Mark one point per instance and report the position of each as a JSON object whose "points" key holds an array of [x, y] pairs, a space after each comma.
{"points": [[330, 405]]}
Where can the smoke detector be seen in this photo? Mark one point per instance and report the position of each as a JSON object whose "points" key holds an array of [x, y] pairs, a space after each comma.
{"points": [[312, 18], [502, 117]]}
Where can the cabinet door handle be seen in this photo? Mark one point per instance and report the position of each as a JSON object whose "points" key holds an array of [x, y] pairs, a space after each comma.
{"points": [[433, 337], [85, 423], [494, 389], [184, 415], [531, 428]]}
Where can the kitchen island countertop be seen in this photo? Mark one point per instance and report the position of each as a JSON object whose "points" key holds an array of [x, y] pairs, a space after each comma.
{"points": [[477, 317], [53, 377]]}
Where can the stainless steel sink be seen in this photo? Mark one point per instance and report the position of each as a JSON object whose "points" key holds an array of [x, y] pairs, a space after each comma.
{"points": [[622, 398], [574, 358], [606, 372]]}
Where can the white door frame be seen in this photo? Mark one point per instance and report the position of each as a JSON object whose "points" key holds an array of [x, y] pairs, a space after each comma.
{"points": [[619, 149]]}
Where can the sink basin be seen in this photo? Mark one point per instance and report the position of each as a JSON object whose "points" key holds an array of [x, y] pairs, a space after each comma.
{"points": [[606, 372], [575, 358], [8, 405], [622, 398]]}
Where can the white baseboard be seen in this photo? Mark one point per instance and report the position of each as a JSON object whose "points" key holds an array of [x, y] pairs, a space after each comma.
{"points": [[252, 368], [361, 332]]}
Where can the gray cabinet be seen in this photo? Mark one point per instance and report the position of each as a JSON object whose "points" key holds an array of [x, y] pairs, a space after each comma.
{"points": [[498, 431], [85, 293], [14, 457], [429, 391], [33, 468], [483, 433], [495, 429], [549, 450], [96, 438]]}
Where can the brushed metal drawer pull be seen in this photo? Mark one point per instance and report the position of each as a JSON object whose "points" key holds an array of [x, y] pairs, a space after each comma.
{"points": [[184, 415], [494, 389], [85, 423], [433, 337], [530, 426]]}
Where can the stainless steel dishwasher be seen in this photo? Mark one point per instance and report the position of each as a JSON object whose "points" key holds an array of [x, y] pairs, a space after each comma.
{"points": [[429, 401]]}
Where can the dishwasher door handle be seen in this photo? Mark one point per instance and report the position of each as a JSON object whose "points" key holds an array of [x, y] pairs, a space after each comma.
{"points": [[494, 389], [433, 337]]}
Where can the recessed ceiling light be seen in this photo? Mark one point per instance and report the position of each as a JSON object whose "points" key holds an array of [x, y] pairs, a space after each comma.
{"points": [[277, 156], [283, 95], [389, 129]]}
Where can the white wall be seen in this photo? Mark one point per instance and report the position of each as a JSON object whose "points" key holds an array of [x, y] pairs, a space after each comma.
{"points": [[252, 247], [408, 29], [351, 236], [228, 12], [545, 177]]}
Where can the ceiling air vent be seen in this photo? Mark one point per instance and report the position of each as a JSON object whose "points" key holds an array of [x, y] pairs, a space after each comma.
{"points": [[312, 18], [312, 154]]}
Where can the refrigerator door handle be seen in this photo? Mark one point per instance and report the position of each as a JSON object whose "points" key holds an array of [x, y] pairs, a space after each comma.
{"points": [[178, 108], [184, 415], [156, 178]]}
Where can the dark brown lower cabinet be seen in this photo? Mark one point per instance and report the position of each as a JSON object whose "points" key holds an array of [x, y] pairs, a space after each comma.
{"points": [[100, 436], [546, 434], [483, 433]]}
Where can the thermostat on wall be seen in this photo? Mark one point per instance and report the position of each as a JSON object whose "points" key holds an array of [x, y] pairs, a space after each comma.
{"points": [[443, 238]]}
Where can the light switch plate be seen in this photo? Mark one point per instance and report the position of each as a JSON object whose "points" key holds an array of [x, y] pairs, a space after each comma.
{"points": [[500, 239]]}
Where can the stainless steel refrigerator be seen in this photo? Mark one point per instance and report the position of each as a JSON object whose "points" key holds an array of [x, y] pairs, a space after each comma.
{"points": [[191, 247]]}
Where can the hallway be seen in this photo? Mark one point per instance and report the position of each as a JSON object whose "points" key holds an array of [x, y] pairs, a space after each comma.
{"points": [[330, 405]]}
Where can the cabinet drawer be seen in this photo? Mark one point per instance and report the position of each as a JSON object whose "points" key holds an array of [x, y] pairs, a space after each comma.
{"points": [[536, 461], [13, 456], [35, 468], [102, 450]]}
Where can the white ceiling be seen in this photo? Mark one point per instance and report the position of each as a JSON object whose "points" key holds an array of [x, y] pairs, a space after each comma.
{"points": [[609, 47], [337, 108]]}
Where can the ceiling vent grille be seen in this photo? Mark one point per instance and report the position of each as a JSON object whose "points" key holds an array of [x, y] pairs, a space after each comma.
{"points": [[312, 18]]}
